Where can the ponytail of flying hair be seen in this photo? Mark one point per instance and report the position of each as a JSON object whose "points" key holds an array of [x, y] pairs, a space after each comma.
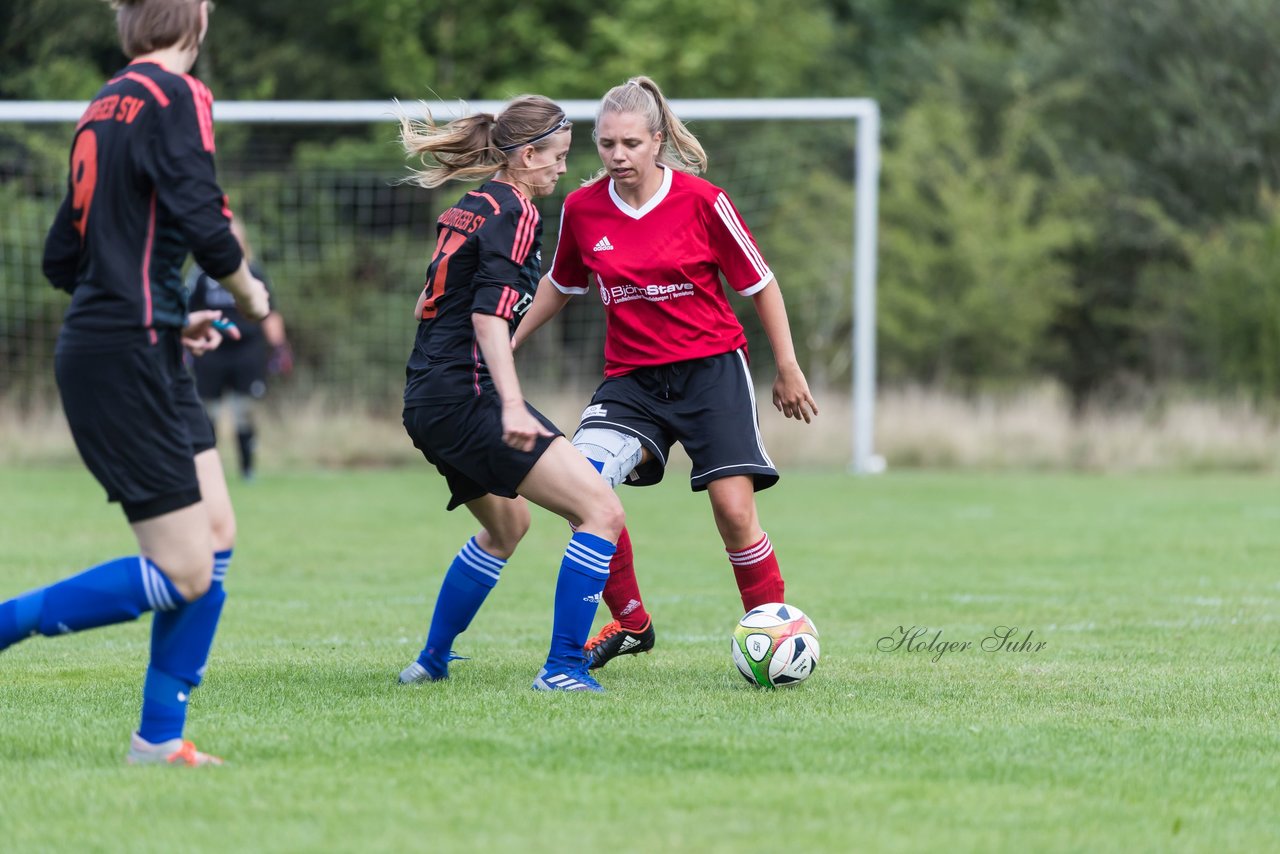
{"points": [[475, 147], [641, 96]]}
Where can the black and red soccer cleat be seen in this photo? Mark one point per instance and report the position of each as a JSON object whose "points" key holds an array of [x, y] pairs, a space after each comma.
{"points": [[613, 641]]}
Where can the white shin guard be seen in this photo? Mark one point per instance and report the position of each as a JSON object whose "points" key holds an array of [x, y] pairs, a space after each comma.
{"points": [[615, 455]]}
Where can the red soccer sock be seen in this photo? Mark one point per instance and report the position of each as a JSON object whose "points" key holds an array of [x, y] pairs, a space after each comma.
{"points": [[621, 592], [755, 568]]}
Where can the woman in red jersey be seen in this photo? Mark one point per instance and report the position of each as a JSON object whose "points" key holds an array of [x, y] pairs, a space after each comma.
{"points": [[463, 406], [141, 195], [656, 239]]}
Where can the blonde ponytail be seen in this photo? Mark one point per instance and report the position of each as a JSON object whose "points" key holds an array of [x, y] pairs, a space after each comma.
{"points": [[641, 96], [475, 147]]}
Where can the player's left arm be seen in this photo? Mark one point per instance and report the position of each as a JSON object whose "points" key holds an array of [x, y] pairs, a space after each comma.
{"points": [[179, 161], [502, 256], [280, 358], [791, 393], [520, 429], [746, 271], [273, 329]]}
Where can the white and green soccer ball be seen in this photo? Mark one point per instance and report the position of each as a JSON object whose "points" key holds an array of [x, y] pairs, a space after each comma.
{"points": [[775, 645]]}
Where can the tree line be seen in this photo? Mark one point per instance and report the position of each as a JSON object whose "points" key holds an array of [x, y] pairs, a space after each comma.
{"points": [[1079, 190]]}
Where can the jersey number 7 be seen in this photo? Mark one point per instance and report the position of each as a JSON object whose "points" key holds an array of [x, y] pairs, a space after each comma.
{"points": [[447, 244]]}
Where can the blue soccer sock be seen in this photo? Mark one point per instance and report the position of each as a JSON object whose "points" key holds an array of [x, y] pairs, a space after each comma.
{"points": [[180, 644], [221, 562], [113, 592], [473, 573], [583, 572]]}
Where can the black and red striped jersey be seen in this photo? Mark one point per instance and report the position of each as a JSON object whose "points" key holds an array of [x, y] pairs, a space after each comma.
{"points": [[487, 260], [141, 194]]}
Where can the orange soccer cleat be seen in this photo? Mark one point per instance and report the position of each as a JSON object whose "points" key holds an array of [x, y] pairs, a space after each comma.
{"points": [[173, 752]]}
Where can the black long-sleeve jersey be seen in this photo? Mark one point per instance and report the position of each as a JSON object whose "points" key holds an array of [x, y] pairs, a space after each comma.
{"points": [[141, 194], [487, 260]]}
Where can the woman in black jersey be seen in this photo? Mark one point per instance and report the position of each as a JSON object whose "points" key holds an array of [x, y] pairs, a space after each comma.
{"points": [[141, 194], [463, 406]]}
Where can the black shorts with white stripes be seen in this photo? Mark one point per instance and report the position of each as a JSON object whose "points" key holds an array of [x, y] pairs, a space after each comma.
{"points": [[708, 405]]}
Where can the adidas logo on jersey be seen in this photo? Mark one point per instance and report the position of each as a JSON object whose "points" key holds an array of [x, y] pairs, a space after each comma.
{"points": [[603, 246]]}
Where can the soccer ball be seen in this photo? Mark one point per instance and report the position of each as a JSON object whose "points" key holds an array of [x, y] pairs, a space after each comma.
{"points": [[775, 645]]}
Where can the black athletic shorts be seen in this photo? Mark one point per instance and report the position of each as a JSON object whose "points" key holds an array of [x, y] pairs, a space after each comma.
{"points": [[242, 369], [463, 439], [707, 405], [137, 422]]}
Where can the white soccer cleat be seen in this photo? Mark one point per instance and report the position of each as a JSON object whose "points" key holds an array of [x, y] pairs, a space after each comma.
{"points": [[416, 674], [173, 752]]}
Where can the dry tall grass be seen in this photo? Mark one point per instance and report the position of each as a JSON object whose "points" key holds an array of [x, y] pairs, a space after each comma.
{"points": [[1033, 430]]}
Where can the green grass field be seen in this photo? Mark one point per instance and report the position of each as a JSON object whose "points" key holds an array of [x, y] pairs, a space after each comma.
{"points": [[1148, 721]]}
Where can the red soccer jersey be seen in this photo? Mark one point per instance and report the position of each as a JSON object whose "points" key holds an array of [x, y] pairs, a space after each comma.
{"points": [[658, 269]]}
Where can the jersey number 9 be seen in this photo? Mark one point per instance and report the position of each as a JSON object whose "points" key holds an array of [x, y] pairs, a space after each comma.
{"points": [[84, 178]]}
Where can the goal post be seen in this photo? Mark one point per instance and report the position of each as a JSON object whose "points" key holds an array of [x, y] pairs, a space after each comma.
{"points": [[864, 113]]}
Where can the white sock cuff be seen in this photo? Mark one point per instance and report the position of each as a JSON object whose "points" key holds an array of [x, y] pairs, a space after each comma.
{"points": [[480, 560], [160, 592], [752, 554]]}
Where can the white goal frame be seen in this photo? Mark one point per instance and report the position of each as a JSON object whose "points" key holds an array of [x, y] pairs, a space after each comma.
{"points": [[863, 111]]}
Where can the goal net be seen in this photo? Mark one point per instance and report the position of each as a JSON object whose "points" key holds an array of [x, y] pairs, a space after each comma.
{"points": [[346, 244]]}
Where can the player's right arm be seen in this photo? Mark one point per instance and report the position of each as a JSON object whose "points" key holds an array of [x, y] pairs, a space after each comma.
{"points": [[547, 303], [62, 250], [552, 295]]}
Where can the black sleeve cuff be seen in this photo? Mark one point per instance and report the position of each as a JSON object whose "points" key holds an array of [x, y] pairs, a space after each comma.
{"points": [[220, 258]]}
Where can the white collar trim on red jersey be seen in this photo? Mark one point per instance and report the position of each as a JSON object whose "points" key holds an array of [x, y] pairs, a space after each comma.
{"points": [[654, 201]]}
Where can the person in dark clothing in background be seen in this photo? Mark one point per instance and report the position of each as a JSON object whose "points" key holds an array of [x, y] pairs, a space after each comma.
{"points": [[236, 373]]}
